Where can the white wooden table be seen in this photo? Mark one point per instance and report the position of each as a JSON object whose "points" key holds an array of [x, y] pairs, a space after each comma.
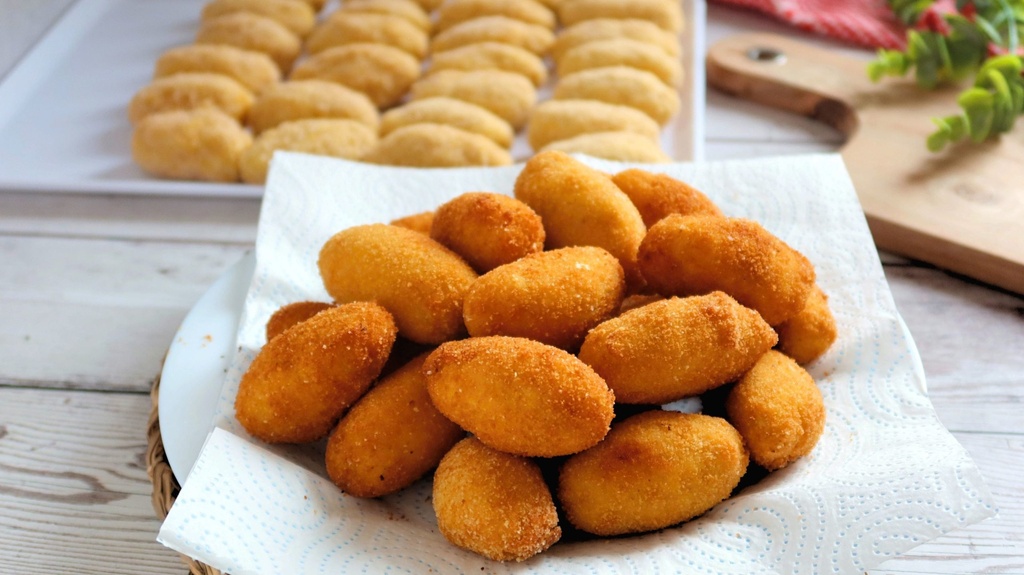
{"points": [[92, 289]]}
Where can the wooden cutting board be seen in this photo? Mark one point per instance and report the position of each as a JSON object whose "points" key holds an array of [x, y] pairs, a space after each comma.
{"points": [[961, 209]]}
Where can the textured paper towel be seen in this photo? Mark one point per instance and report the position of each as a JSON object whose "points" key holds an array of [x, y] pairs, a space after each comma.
{"points": [[885, 477]]}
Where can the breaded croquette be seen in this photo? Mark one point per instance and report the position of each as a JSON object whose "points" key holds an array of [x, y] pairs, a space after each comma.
{"points": [[778, 410], [807, 335], [453, 12], [658, 195], [436, 146], [557, 120], [203, 144], [450, 112], [298, 17], [254, 70], [666, 14], [301, 382], [553, 297], [488, 230], [332, 137], [519, 396], [508, 95], [675, 348], [611, 28], [368, 27], [189, 91], [421, 222], [536, 39], [653, 470], [407, 9], [492, 56], [384, 73], [303, 99], [623, 86], [493, 503], [290, 314], [618, 146], [622, 52], [418, 280], [391, 437], [250, 31], [683, 255]]}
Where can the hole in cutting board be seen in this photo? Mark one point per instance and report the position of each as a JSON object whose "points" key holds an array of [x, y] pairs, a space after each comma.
{"points": [[766, 55]]}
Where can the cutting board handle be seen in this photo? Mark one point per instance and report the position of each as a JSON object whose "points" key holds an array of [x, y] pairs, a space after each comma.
{"points": [[789, 75]]}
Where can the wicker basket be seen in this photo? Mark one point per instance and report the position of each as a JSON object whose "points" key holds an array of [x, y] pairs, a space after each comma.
{"points": [[165, 487]]}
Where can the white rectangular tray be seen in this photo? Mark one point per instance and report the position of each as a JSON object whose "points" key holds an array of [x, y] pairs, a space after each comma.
{"points": [[63, 120]]}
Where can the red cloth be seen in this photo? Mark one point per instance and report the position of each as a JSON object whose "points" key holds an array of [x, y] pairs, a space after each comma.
{"points": [[865, 22]]}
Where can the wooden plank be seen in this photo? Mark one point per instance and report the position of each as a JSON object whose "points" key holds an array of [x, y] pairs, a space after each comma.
{"points": [[97, 314], [74, 495]]}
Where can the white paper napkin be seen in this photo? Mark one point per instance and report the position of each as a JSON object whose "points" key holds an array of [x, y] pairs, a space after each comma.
{"points": [[885, 476]]}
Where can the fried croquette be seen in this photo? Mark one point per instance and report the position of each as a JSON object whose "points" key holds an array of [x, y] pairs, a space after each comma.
{"points": [[683, 255], [391, 437], [250, 31], [580, 206], [190, 91], [301, 382], [519, 396], [305, 99], [450, 112], [254, 70], [807, 335], [654, 469], [407, 9], [611, 28], [622, 52], [203, 144], [658, 195], [553, 297], [421, 222], [557, 120], [384, 73], [493, 503], [488, 230], [492, 56], [624, 86], [436, 146], [332, 137], [298, 17], [429, 5], [509, 96], [675, 348], [638, 300], [453, 12], [368, 27], [290, 314], [618, 146], [536, 39], [666, 14], [778, 410], [418, 280]]}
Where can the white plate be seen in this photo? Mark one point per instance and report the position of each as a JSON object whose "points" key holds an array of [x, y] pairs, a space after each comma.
{"points": [[63, 120], [194, 369]]}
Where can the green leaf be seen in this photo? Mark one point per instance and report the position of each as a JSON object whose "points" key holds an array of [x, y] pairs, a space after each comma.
{"points": [[977, 104]]}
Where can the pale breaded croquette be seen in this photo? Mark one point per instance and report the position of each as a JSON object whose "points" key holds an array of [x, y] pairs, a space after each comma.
{"points": [[453, 12], [450, 112], [254, 70], [418, 280], [337, 138], [658, 195], [554, 297], [407, 9], [305, 99], [638, 300], [316, 5], [808, 334], [429, 5], [580, 206], [368, 27], [488, 230], [618, 146], [250, 31], [189, 91], [683, 255], [436, 146], [301, 381], [509, 96], [624, 86], [492, 56], [421, 222], [203, 144], [391, 437], [494, 504], [519, 396], [676, 348], [778, 410], [384, 73], [556, 120], [501, 29], [654, 469], [611, 28], [290, 314], [666, 14], [622, 52], [298, 17]]}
